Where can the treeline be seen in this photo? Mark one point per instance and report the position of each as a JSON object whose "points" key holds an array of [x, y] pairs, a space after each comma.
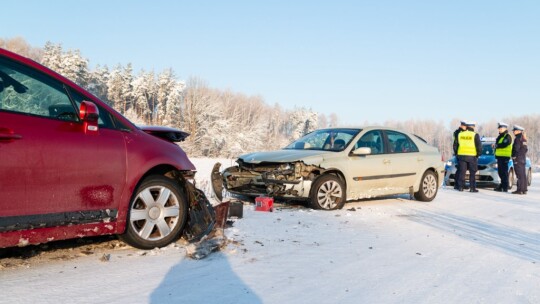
{"points": [[223, 123]]}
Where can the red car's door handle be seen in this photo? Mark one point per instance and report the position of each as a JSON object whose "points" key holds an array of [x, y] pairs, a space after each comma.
{"points": [[4, 136]]}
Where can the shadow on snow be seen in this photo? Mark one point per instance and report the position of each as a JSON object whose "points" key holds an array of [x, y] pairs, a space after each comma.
{"points": [[211, 280]]}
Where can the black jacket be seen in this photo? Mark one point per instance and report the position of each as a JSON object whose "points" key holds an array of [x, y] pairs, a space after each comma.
{"points": [[505, 143], [478, 144], [455, 144], [519, 149]]}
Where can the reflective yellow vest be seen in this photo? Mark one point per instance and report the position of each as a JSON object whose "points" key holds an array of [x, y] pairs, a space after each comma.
{"points": [[507, 151], [466, 143]]}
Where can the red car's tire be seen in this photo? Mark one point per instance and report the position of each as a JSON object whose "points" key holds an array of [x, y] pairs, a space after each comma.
{"points": [[157, 214]]}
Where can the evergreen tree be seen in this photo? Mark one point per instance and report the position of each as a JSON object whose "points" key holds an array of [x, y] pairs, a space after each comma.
{"points": [[98, 81], [115, 88]]}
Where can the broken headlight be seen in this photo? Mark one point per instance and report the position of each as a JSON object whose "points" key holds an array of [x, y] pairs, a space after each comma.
{"points": [[286, 166]]}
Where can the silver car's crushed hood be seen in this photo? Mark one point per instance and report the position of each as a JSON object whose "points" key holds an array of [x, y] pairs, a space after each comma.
{"points": [[286, 172], [284, 156]]}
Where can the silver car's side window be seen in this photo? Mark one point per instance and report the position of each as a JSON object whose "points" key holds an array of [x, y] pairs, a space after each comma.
{"points": [[400, 143], [372, 139]]}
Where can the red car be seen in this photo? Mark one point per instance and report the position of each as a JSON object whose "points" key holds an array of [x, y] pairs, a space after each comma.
{"points": [[71, 166]]}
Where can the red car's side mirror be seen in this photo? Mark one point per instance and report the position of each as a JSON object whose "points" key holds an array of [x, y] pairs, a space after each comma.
{"points": [[89, 114]]}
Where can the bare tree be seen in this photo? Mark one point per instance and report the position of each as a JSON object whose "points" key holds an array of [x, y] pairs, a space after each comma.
{"points": [[20, 46]]}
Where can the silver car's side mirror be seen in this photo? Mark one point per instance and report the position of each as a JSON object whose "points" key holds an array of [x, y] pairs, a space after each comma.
{"points": [[362, 151]]}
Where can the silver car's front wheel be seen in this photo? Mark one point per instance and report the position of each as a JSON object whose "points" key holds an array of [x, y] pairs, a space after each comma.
{"points": [[328, 193], [157, 214], [428, 187]]}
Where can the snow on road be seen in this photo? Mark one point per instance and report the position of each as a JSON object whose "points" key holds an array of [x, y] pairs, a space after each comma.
{"points": [[461, 248]]}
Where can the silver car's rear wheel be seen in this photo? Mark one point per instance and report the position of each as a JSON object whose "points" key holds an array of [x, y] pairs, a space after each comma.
{"points": [[328, 193], [428, 187], [157, 214]]}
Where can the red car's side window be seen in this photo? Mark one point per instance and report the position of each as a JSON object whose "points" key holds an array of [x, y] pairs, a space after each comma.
{"points": [[25, 91]]}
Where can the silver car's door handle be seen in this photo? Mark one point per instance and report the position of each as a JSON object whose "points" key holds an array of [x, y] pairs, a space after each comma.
{"points": [[420, 159], [386, 161]]}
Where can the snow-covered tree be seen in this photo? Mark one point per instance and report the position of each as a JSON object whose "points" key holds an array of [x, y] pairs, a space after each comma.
{"points": [[174, 105], [127, 88], [70, 64], [333, 120], [115, 85], [165, 85], [144, 94], [132, 115], [52, 56], [75, 67], [302, 121], [199, 113], [97, 83], [120, 89]]}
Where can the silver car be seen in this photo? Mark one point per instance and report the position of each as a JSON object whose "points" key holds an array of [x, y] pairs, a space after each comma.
{"points": [[331, 166]]}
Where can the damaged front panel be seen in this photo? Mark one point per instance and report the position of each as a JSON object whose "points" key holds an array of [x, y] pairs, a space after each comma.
{"points": [[201, 214], [275, 179]]}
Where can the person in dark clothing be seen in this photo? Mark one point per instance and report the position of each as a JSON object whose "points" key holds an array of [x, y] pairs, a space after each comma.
{"points": [[519, 156], [469, 148], [462, 127], [503, 152]]}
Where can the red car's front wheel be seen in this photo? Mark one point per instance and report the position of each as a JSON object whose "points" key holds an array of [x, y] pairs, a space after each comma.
{"points": [[157, 214]]}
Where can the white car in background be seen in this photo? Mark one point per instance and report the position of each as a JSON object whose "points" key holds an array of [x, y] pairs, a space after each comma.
{"points": [[331, 166]]}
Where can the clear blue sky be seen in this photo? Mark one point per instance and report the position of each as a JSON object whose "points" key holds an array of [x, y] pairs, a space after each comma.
{"points": [[364, 60]]}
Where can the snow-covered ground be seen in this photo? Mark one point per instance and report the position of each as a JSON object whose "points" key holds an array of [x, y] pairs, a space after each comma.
{"points": [[461, 248]]}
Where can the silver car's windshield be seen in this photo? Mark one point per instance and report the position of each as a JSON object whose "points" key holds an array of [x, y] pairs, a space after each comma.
{"points": [[326, 140]]}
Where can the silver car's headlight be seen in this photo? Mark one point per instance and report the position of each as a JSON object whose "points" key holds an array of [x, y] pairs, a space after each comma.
{"points": [[493, 165]]}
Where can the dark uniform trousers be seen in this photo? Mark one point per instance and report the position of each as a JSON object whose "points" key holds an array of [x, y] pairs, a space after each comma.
{"points": [[468, 163], [502, 168], [457, 175], [521, 173]]}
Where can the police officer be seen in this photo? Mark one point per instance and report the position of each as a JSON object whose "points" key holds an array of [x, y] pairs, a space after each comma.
{"points": [[462, 127], [503, 152], [469, 148], [519, 155]]}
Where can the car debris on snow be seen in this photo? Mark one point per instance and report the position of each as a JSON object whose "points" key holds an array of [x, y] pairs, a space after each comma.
{"points": [[213, 242], [105, 257]]}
